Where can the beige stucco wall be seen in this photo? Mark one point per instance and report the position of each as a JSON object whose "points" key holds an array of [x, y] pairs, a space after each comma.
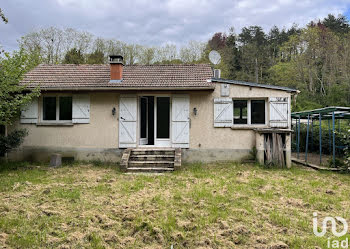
{"points": [[101, 134], [203, 134]]}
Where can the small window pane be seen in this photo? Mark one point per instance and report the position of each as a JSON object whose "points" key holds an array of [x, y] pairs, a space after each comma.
{"points": [[65, 108], [258, 111], [143, 110], [240, 112], [49, 108], [163, 117]]}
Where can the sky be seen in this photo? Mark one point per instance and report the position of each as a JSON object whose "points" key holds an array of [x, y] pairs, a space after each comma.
{"points": [[158, 22]]}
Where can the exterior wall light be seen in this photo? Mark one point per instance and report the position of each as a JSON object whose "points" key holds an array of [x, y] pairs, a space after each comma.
{"points": [[195, 111], [114, 111]]}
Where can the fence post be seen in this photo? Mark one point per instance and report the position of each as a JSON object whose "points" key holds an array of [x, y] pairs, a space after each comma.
{"points": [[320, 137], [333, 122], [298, 137], [329, 135], [307, 137], [312, 134]]}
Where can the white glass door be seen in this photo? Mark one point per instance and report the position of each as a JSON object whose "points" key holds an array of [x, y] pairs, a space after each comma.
{"points": [[162, 121]]}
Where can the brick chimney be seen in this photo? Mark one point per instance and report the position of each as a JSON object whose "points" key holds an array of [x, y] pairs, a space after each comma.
{"points": [[116, 68]]}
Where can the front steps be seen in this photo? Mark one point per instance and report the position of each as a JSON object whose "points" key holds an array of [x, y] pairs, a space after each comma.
{"points": [[151, 159]]}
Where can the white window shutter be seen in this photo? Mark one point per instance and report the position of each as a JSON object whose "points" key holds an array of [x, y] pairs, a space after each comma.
{"points": [[223, 112], [180, 121], [29, 115], [279, 112], [127, 121], [81, 109]]}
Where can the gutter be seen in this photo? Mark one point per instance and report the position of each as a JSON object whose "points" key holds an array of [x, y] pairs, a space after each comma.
{"points": [[127, 88]]}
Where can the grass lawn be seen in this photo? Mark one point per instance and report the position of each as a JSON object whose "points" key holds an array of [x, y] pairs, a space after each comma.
{"points": [[226, 205]]}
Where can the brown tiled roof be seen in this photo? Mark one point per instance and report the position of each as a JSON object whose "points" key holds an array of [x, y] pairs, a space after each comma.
{"points": [[71, 76]]}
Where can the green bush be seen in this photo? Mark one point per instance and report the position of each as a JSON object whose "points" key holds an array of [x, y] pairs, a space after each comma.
{"points": [[314, 140], [12, 140], [346, 141]]}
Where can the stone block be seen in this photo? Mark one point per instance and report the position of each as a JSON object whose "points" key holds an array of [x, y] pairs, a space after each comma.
{"points": [[56, 160]]}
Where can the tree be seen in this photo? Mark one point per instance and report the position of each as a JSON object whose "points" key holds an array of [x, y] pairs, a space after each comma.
{"points": [[3, 17], [96, 57], [131, 53], [218, 41], [166, 54], [54, 43], [254, 52], [192, 52], [147, 55], [12, 140], [73, 56], [231, 56], [339, 25], [14, 97]]}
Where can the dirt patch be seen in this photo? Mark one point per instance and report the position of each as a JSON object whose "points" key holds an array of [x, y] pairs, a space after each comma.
{"points": [[3, 238], [279, 245]]}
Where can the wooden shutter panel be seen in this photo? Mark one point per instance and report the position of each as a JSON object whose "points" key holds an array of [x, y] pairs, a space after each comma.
{"points": [[29, 115], [223, 112], [180, 119], [81, 109], [279, 112], [127, 121]]}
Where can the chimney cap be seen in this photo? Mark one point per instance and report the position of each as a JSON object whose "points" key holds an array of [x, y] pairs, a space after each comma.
{"points": [[116, 59]]}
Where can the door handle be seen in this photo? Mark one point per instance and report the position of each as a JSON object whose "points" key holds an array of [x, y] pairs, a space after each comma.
{"points": [[122, 118]]}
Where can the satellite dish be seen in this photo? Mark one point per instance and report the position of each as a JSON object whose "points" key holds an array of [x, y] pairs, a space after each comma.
{"points": [[214, 57]]}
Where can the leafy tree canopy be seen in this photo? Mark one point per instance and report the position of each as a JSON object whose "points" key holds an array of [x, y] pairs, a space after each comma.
{"points": [[97, 57], [74, 56], [14, 97], [337, 24]]}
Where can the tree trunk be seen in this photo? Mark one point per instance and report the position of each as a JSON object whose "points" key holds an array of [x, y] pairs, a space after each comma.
{"points": [[256, 71], [310, 81]]}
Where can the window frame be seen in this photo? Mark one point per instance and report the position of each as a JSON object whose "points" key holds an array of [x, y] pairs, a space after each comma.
{"points": [[58, 95], [249, 111]]}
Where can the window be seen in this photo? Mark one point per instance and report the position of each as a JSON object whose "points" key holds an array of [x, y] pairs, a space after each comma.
{"points": [[163, 114], [57, 108], [248, 112], [258, 111], [240, 112], [49, 108], [65, 108]]}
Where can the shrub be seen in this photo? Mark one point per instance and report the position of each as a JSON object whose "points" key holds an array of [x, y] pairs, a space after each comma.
{"points": [[346, 143], [327, 137], [12, 140]]}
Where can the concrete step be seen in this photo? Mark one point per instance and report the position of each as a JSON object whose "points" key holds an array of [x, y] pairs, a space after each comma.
{"points": [[153, 152], [155, 164], [154, 149], [149, 169], [152, 157]]}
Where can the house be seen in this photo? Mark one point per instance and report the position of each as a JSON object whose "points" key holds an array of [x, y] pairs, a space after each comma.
{"points": [[91, 112]]}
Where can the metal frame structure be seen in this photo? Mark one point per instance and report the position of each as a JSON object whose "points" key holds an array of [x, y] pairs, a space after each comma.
{"points": [[328, 113]]}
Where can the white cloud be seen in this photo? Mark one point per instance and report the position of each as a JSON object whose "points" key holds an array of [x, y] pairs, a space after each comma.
{"points": [[159, 21]]}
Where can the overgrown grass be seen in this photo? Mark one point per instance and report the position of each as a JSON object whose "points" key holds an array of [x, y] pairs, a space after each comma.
{"points": [[223, 205]]}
